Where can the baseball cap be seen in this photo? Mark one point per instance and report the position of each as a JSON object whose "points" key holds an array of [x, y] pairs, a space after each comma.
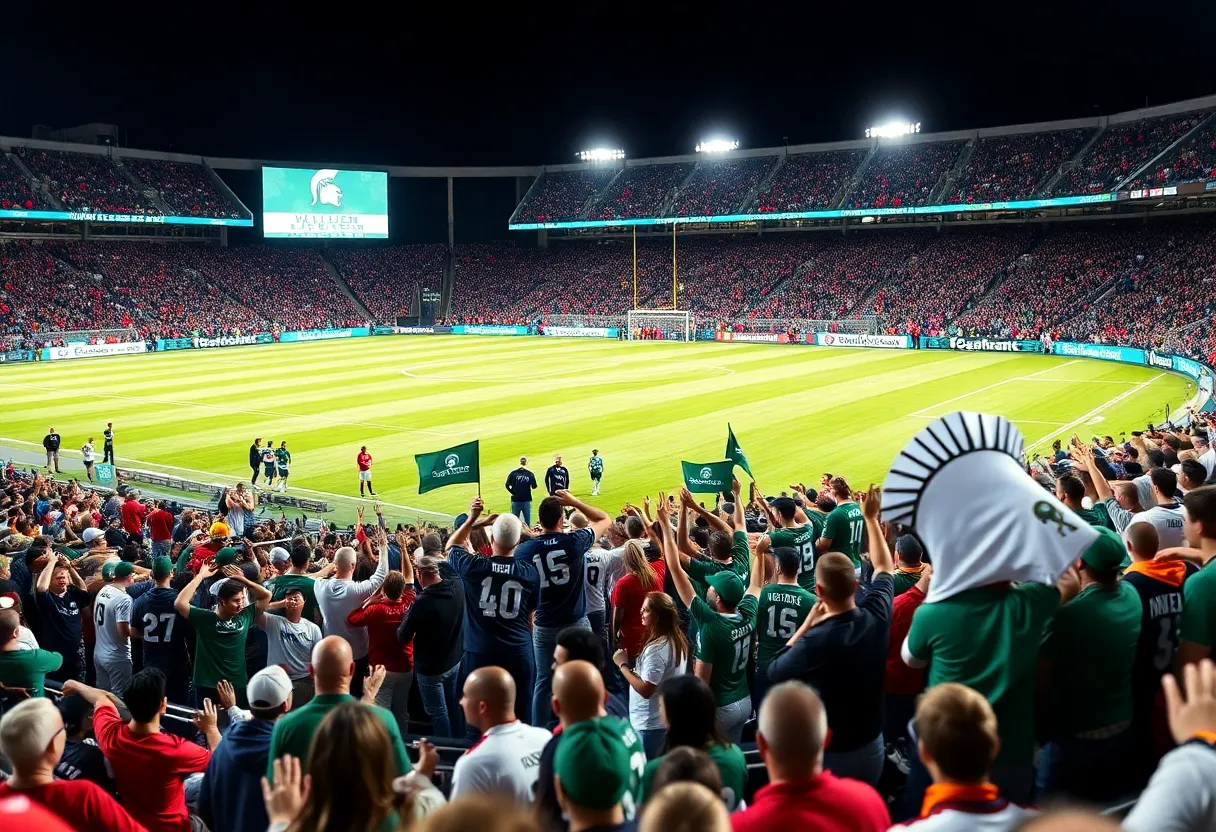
{"points": [[122, 569], [459, 519], [107, 569], [91, 534], [162, 568], [74, 710], [268, 688], [1107, 553], [219, 529], [728, 586], [226, 556], [279, 555], [592, 764]]}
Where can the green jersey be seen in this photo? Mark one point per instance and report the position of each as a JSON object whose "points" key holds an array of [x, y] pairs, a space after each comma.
{"points": [[279, 585], [739, 563], [844, 527], [28, 668], [987, 638], [219, 651], [1097, 516], [596, 466], [282, 457], [293, 732], [1198, 622], [802, 540], [732, 767], [725, 641], [631, 802], [780, 611], [1092, 643]]}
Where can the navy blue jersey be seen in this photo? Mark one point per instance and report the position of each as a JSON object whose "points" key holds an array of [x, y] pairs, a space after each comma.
{"points": [[164, 631], [499, 596], [559, 557]]}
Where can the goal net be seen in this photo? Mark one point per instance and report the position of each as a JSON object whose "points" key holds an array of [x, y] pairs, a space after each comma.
{"points": [[659, 325]]}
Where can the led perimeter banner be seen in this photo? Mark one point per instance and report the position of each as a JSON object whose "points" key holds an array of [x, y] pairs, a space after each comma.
{"points": [[324, 203]]}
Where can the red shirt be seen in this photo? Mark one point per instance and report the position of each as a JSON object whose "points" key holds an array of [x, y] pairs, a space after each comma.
{"points": [[826, 803], [133, 513], [20, 814], [902, 680], [160, 523], [82, 803], [365, 461], [627, 596], [382, 620], [148, 770]]}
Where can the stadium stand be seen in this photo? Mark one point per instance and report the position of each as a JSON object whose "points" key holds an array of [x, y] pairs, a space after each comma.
{"points": [[15, 190], [808, 181], [903, 175], [1194, 160], [1004, 168], [560, 196], [84, 181], [640, 191], [1121, 150], [385, 277], [186, 188], [719, 186]]}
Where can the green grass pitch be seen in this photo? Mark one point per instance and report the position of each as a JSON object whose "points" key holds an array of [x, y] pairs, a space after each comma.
{"points": [[797, 412]]}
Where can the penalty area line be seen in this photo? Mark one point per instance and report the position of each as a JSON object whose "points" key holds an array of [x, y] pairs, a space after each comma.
{"points": [[1031, 377], [1095, 412]]}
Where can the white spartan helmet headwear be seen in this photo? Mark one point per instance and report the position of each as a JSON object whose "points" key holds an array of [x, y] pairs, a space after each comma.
{"points": [[324, 189]]}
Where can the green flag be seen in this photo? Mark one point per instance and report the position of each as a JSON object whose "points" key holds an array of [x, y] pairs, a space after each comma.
{"points": [[708, 477], [735, 453], [448, 467]]}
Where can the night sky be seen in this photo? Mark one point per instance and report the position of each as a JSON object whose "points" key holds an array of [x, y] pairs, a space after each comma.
{"points": [[534, 87]]}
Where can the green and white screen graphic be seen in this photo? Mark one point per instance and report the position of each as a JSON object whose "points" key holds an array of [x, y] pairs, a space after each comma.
{"points": [[324, 202]]}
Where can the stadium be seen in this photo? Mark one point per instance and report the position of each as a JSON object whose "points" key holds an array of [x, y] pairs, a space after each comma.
{"points": [[524, 486]]}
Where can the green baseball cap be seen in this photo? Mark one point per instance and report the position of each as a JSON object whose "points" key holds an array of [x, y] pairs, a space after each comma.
{"points": [[728, 586], [162, 568], [107, 570], [1106, 554], [592, 764], [226, 556], [123, 570]]}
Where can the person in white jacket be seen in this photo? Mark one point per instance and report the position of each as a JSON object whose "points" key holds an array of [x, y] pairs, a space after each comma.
{"points": [[339, 596]]}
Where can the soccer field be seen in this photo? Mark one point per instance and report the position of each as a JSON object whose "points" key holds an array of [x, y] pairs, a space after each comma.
{"points": [[797, 412]]}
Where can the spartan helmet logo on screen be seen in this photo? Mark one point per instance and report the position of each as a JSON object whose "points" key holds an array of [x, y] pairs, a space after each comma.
{"points": [[324, 189], [451, 461], [706, 473]]}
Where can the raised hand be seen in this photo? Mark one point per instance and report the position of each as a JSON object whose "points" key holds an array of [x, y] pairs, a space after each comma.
{"points": [[207, 569], [223, 689], [735, 488], [476, 508], [871, 502], [287, 796], [564, 497], [205, 720], [233, 571], [1197, 713], [686, 498]]}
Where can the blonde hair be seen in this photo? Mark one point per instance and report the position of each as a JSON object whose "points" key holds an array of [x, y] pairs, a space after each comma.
{"points": [[637, 565], [684, 807]]}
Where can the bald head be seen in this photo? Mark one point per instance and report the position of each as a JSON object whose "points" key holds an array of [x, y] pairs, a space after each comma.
{"points": [[345, 559], [493, 686], [9, 623], [793, 725], [578, 692], [1143, 540], [333, 665]]}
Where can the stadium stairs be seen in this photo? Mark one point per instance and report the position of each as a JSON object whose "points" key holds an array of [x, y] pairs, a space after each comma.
{"points": [[669, 201], [346, 290], [35, 182], [589, 205], [1165, 154], [145, 190], [852, 181], [946, 186], [749, 202], [1069, 165]]}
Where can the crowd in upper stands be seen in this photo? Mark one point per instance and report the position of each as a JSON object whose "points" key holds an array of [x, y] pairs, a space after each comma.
{"points": [[386, 278], [641, 191], [563, 195], [808, 181], [1121, 150], [1005, 168], [186, 188], [86, 182], [1193, 161], [903, 176], [15, 191], [720, 186]]}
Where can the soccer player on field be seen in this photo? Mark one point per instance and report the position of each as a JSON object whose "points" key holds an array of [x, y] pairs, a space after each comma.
{"points": [[595, 467], [845, 525], [282, 458], [726, 620], [781, 609], [798, 536], [268, 462], [364, 461], [500, 594]]}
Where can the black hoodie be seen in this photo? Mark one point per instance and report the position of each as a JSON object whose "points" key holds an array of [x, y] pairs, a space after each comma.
{"points": [[434, 622]]}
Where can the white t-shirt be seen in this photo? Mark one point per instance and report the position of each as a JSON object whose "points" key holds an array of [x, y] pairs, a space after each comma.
{"points": [[593, 588], [26, 639], [339, 598], [614, 568], [506, 760], [1168, 520], [86, 451], [112, 607], [1208, 460], [656, 663], [289, 644]]}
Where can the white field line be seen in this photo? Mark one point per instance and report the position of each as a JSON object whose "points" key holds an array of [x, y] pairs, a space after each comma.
{"points": [[1096, 411], [226, 478], [993, 385], [1019, 421], [227, 409], [508, 379]]}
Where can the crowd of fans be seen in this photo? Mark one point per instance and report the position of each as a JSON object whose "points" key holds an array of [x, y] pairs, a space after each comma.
{"points": [[186, 188], [720, 186], [808, 181], [804, 660], [15, 191], [1121, 150], [1005, 168], [1192, 161], [640, 191], [86, 182], [387, 278], [563, 195], [903, 176]]}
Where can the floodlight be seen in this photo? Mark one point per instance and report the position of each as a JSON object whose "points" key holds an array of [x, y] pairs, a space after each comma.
{"points": [[600, 154], [892, 129], [717, 145]]}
